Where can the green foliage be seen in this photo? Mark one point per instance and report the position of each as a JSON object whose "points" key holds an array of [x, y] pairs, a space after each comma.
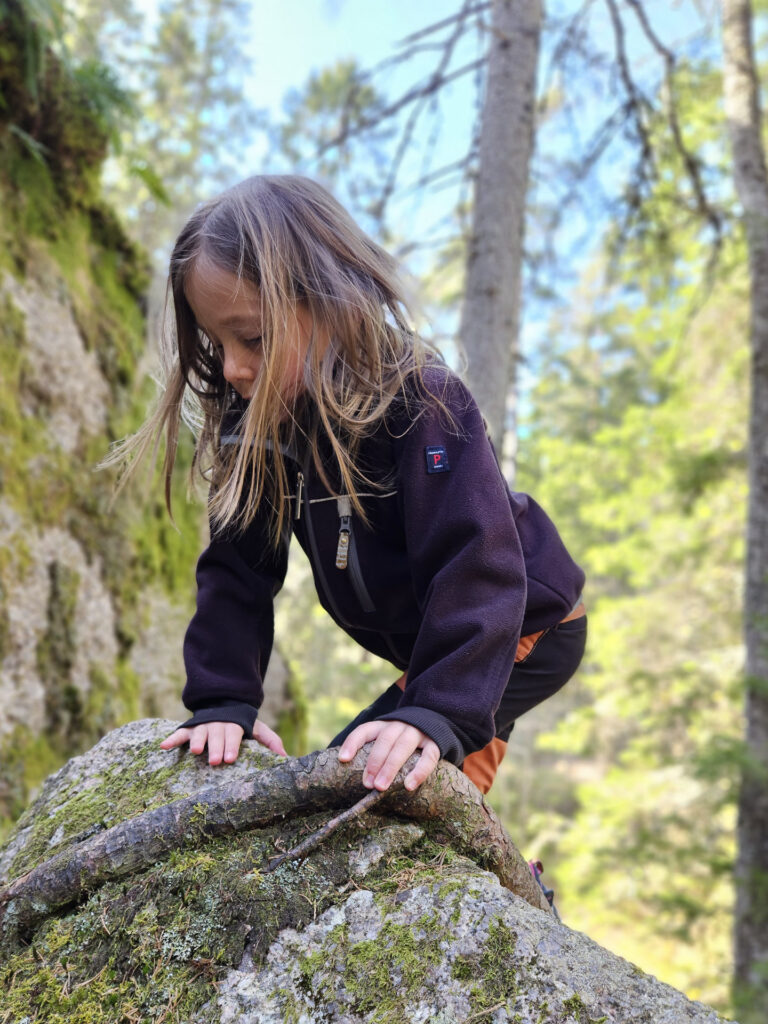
{"points": [[187, 74], [61, 113], [636, 444], [292, 723]]}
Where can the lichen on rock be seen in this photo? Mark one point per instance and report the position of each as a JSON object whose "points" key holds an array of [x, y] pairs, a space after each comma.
{"points": [[388, 921]]}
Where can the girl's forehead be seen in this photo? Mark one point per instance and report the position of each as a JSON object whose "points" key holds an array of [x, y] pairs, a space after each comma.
{"points": [[215, 294]]}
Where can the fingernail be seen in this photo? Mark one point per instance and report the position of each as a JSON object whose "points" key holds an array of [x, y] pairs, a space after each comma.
{"points": [[368, 780]]}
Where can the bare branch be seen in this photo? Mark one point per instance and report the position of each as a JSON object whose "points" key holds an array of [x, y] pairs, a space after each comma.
{"points": [[425, 89], [638, 105], [466, 11], [317, 837], [418, 108], [691, 162], [291, 786], [654, 40]]}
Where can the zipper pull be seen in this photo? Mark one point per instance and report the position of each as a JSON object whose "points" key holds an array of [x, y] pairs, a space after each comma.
{"points": [[344, 508], [299, 491]]}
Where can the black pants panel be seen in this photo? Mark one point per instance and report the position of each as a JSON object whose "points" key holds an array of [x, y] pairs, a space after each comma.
{"points": [[546, 670]]}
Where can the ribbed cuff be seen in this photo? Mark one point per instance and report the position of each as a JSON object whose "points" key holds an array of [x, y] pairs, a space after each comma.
{"points": [[233, 711]]}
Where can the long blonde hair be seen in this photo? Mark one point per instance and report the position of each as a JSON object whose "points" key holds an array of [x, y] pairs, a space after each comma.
{"points": [[290, 238]]}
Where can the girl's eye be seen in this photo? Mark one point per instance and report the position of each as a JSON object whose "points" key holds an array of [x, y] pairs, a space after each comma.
{"points": [[252, 342]]}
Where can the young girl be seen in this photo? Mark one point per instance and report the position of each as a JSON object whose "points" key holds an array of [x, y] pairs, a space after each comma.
{"points": [[322, 415]]}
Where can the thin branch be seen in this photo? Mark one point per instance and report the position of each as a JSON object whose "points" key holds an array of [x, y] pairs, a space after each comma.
{"points": [[654, 40], [467, 11], [314, 840], [413, 118], [427, 179], [425, 89], [637, 104], [691, 162]]}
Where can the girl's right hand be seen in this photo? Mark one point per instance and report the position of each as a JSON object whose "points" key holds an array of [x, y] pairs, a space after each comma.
{"points": [[223, 740]]}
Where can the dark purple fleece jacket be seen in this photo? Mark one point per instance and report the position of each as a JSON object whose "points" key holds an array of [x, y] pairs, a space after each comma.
{"points": [[450, 570]]}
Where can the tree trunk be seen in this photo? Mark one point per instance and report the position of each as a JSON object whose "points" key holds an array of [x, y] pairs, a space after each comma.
{"points": [[742, 107], [491, 311]]}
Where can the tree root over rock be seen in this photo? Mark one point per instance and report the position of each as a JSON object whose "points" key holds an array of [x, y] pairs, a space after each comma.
{"points": [[315, 782]]}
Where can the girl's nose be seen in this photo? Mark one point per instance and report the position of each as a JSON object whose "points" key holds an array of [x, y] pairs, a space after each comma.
{"points": [[238, 368]]}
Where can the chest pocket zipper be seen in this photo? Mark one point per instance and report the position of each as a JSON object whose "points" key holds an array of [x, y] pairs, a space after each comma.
{"points": [[346, 553]]}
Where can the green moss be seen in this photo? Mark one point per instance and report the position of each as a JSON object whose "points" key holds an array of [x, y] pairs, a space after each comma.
{"points": [[57, 235], [429, 860], [64, 248], [151, 947], [146, 950], [492, 972], [575, 1008], [26, 759], [121, 793], [58, 113], [57, 649], [379, 976]]}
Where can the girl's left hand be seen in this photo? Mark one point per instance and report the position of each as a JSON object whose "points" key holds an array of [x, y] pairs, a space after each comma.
{"points": [[395, 742]]}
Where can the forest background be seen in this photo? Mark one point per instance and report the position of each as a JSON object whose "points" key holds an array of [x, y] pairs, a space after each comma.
{"points": [[627, 420]]}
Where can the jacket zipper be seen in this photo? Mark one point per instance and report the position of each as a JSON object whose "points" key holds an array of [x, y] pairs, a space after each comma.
{"points": [[344, 506], [353, 562], [301, 490], [346, 553]]}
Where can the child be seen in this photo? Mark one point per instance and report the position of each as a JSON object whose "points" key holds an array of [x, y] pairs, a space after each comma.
{"points": [[322, 415]]}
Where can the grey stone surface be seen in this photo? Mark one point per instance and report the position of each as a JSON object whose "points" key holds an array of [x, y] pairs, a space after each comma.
{"points": [[380, 925], [22, 691], [134, 750], [549, 972], [63, 373]]}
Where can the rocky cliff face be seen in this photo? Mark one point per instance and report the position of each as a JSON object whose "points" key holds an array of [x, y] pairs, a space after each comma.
{"points": [[93, 599], [82, 586], [396, 918]]}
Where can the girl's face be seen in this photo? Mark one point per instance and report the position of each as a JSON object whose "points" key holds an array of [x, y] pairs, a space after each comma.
{"points": [[228, 310]]}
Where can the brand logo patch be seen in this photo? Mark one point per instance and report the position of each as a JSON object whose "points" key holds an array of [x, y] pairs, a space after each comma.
{"points": [[437, 459]]}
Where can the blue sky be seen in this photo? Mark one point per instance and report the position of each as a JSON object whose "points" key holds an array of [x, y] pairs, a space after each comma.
{"points": [[287, 40], [290, 39]]}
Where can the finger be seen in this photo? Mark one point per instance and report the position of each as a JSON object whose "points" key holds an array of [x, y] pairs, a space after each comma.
{"points": [[399, 751], [426, 764], [233, 733], [198, 739], [176, 739], [359, 737], [215, 742], [269, 738], [389, 754]]}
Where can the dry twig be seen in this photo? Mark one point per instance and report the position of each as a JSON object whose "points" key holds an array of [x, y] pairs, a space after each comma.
{"points": [[316, 838]]}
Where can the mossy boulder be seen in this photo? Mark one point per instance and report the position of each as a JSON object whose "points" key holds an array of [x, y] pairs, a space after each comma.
{"points": [[393, 918]]}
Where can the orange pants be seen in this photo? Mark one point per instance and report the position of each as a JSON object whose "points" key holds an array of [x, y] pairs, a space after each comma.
{"points": [[482, 766]]}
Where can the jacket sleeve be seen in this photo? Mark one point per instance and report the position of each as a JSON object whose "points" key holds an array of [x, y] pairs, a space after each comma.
{"points": [[229, 639], [468, 575]]}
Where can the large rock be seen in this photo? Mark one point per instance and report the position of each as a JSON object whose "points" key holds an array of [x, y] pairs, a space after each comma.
{"points": [[389, 920]]}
